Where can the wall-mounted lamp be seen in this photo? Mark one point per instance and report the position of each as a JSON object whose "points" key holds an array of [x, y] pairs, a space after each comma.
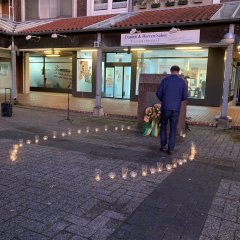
{"points": [[174, 30], [134, 31], [56, 35], [28, 37], [228, 38]]}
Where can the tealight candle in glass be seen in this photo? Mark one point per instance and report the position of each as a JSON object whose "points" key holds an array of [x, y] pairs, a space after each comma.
{"points": [[69, 132], [54, 134], [174, 163], [144, 170], [28, 142], [98, 174], [169, 167], [63, 134], [128, 127], [45, 138], [87, 129], [122, 127], [36, 139], [124, 172], [133, 174], [105, 128], [116, 128], [20, 143], [184, 135], [185, 157], [152, 170], [96, 129], [112, 175], [159, 167], [180, 162], [79, 131], [191, 157]]}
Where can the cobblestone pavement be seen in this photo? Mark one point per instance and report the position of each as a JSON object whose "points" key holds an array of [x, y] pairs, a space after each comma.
{"points": [[49, 192]]}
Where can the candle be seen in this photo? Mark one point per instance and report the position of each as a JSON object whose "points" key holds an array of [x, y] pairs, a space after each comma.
{"points": [[116, 128], [63, 134], [54, 134], [96, 129], [144, 170], [87, 129], [184, 135], [180, 162], [169, 167], [105, 128], [124, 172], [185, 157], [112, 175], [191, 157], [36, 139], [20, 143], [28, 142], [181, 133], [79, 131], [153, 170], [133, 174], [45, 138], [69, 132], [13, 158], [174, 163], [122, 127], [97, 175], [128, 127], [15, 146], [159, 167]]}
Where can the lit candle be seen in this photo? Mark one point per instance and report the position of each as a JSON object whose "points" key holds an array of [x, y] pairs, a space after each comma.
{"points": [[180, 162], [191, 157], [45, 138], [159, 167], [116, 128], [185, 157], [184, 135], [105, 128], [79, 131], [96, 129], [124, 172], [144, 170], [128, 127], [13, 158], [122, 127], [133, 174], [87, 129], [54, 134], [169, 167], [15, 146], [174, 163], [36, 139], [181, 133], [69, 132], [153, 170], [63, 134], [28, 142], [97, 175], [20, 143], [112, 175]]}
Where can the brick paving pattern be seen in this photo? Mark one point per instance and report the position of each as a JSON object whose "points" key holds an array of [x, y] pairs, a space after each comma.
{"points": [[49, 192]]}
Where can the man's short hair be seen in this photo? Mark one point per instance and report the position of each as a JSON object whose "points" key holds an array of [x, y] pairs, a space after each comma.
{"points": [[175, 68]]}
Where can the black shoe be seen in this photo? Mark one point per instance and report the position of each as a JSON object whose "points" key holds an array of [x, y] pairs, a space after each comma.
{"points": [[162, 149], [169, 152]]}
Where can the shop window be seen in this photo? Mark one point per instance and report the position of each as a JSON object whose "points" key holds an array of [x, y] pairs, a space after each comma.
{"points": [[53, 73], [84, 71], [5, 75], [193, 65], [119, 4]]}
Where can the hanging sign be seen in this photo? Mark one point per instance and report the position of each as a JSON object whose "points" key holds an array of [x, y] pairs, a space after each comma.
{"points": [[161, 38]]}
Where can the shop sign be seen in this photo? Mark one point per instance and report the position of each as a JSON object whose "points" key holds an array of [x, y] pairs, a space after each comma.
{"points": [[161, 38]]}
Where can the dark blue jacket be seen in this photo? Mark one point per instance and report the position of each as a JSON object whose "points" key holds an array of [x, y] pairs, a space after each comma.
{"points": [[171, 92]]}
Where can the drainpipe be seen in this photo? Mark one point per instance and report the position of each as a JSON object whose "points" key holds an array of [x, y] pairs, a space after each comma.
{"points": [[13, 61], [224, 118], [130, 5], [98, 109]]}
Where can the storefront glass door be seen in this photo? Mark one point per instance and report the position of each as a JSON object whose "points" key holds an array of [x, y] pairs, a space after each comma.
{"points": [[117, 82]]}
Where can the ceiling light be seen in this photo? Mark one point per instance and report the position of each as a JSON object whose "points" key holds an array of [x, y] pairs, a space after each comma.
{"points": [[187, 48], [135, 49], [51, 51], [88, 50], [53, 55]]}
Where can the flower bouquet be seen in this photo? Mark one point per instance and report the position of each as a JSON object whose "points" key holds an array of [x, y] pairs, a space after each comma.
{"points": [[152, 120]]}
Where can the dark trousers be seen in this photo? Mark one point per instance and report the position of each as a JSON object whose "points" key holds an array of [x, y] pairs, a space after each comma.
{"points": [[171, 116]]}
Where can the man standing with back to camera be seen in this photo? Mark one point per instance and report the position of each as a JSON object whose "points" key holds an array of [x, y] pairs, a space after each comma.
{"points": [[171, 92]]}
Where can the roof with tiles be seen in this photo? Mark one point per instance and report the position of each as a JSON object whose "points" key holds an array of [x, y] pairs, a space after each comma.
{"points": [[70, 24], [188, 14]]}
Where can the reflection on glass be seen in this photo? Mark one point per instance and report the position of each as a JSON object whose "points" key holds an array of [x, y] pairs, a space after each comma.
{"points": [[100, 5]]}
